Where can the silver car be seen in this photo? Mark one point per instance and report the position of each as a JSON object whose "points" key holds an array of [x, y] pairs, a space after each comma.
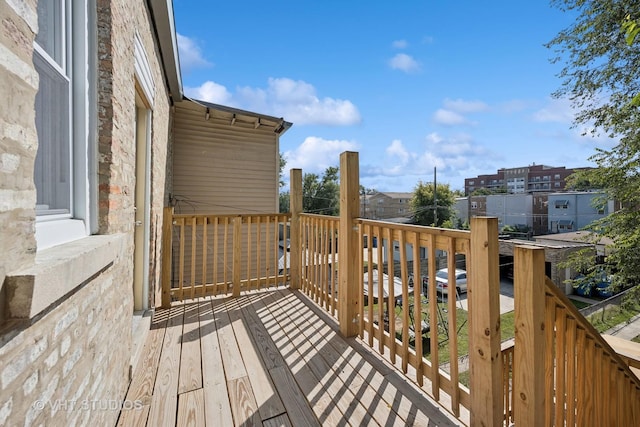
{"points": [[443, 283]]}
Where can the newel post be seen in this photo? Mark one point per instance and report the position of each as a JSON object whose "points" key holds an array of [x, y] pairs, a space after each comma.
{"points": [[295, 207], [348, 274], [484, 323], [529, 351], [167, 243]]}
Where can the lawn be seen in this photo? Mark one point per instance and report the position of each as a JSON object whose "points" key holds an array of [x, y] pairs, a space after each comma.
{"points": [[614, 315], [462, 328]]}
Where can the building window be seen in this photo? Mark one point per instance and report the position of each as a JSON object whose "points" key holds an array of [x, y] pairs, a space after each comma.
{"points": [[63, 117], [557, 176], [472, 183], [562, 204], [556, 184]]}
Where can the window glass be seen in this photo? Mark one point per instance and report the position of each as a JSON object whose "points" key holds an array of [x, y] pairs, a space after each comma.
{"points": [[53, 159], [51, 28]]}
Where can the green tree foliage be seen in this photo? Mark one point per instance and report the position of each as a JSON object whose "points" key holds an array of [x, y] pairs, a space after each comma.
{"points": [[424, 208], [488, 192], [284, 202], [601, 77], [321, 195], [283, 163]]}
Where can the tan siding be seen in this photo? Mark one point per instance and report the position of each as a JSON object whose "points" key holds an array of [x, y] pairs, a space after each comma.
{"points": [[222, 168]]}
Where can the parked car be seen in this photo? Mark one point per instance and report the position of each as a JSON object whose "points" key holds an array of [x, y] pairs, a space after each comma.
{"points": [[443, 283]]}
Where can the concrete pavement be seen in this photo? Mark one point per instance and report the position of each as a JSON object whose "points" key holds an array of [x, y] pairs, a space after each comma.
{"points": [[628, 330]]}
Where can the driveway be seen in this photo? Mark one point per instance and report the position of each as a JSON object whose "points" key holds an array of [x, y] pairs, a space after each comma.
{"points": [[506, 297]]}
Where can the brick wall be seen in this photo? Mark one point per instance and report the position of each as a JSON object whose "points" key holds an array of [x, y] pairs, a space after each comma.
{"points": [[72, 365], [18, 139], [69, 365]]}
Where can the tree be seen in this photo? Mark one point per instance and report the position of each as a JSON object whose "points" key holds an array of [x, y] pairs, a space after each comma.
{"points": [[321, 195], [283, 197], [424, 207], [601, 78]]}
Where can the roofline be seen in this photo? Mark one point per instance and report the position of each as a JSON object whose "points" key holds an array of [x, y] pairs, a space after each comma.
{"points": [[162, 14], [285, 125]]}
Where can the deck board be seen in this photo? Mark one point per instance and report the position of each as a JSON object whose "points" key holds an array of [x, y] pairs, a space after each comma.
{"points": [[190, 358], [191, 409], [270, 358], [264, 391], [164, 400], [217, 405]]}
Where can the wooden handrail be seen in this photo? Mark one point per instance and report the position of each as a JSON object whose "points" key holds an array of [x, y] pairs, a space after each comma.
{"points": [[562, 299], [580, 380]]}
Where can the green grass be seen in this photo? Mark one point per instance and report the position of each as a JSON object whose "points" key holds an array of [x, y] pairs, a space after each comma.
{"points": [[614, 315], [579, 304], [462, 330]]}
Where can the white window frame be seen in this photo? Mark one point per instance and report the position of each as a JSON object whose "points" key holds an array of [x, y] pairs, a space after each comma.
{"points": [[80, 60]]}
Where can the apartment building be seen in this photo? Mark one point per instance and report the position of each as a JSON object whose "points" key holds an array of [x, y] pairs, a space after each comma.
{"points": [[523, 179], [386, 205]]}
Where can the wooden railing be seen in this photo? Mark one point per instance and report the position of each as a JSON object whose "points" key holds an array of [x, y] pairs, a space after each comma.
{"points": [[559, 371], [424, 332], [319, 259], [222, 254], [507, 355], [565, 372]]}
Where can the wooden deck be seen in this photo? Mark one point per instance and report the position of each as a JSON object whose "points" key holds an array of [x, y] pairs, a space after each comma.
{"points": [[269, 358]]}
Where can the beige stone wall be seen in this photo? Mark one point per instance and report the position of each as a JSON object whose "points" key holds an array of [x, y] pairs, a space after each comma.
{"points": [[69, 364], [70, 367], [118, 20], [18, 139]]}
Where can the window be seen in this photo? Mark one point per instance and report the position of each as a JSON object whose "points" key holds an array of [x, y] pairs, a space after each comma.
{"points": [[61, 55], [557, 176], [562, 204]]}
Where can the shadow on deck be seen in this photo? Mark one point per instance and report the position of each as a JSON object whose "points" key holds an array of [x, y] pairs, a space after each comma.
{"points": [[267, 358]]}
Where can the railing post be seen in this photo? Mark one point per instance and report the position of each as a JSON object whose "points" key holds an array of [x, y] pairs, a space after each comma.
{"points": [[529, 351], [237, 255], [167, 243], [348, 274], [295, 206], [487, 407]]}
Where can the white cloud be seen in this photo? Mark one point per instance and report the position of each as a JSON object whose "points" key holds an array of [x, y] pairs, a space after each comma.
{"points": [[449, 118], [397, 149], [316, 154], [400, 44], [463, 106], [210, 92], [451, 155], [190, 54], [295, 100], [404, 62], [556, 111]]}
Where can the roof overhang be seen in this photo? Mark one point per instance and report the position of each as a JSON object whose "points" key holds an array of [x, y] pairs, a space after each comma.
{"points": [[242, 117], [162, 12]]}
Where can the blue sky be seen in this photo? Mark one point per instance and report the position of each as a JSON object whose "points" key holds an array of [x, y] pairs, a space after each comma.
{"points": [[463, 86]]}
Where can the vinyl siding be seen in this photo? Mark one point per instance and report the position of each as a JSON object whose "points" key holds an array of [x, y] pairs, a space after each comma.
{"points": [[222, 168]]}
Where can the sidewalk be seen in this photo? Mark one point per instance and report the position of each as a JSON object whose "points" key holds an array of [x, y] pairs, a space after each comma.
{"points": [[627, 330]]}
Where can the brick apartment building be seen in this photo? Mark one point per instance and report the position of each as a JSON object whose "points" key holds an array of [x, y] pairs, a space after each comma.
{"points": [[523, 179]]}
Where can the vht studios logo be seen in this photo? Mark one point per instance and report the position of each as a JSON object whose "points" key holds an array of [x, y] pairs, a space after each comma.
{"points": [[88, 405]]}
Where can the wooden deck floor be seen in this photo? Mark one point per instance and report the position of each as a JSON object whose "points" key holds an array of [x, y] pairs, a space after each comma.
{"points": [[269, 358]]}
